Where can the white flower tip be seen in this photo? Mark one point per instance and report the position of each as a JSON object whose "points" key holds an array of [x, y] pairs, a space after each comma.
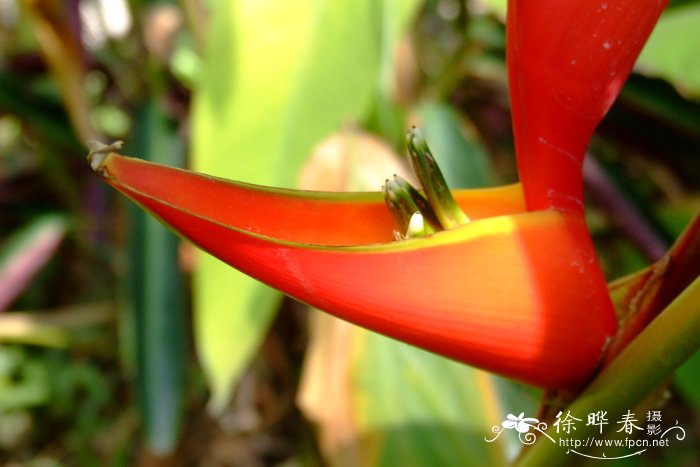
{"points": [[98, 153], [416, 225]]}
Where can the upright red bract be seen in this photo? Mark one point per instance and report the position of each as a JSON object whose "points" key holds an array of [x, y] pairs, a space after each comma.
{"points": [[567, 61]]}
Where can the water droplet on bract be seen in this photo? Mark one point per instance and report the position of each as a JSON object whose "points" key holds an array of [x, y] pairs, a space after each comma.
{"points": [[578, 265]]}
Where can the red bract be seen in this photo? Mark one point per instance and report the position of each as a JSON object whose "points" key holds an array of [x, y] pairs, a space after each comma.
{"points": [[517, 292], [510, 292], [567, 61]]}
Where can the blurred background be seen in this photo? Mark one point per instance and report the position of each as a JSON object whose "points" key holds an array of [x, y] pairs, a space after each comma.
{"points": [[120, 345]]}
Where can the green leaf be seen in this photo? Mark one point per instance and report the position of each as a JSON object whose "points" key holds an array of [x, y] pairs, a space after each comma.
{"points": [[496, 7], [41, 112], [415, 408], [458, 152], [23, 381], [687, 381], [157, 296], [52, 329], [671, 52], [387, 117], [277, 79]]}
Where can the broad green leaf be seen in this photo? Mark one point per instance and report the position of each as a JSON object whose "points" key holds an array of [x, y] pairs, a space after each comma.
{"points": [[378, 401], [671, 52], [415, 408], [276, 79]]}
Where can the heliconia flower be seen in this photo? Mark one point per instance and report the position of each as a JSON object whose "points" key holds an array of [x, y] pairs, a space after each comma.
{"points": [[512, 285]]}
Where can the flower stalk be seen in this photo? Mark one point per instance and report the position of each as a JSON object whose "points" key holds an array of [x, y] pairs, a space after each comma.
{"points": [[412, 212], [438, 193]]}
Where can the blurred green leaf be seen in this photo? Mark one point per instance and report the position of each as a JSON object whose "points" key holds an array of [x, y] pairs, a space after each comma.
{"points": [[496, 7], [276, 79], [39, 111], [415, 408], [78, 388], [157, 295], [454, 144], [52, 328], [687, 380], [23, 381], [23, 329], [387, 118], [671, 52], [652, 97]]}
